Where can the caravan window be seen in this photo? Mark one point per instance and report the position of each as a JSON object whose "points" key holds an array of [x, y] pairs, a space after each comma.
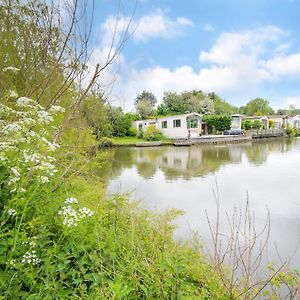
{"points": [[177, 123], [164, 124]]}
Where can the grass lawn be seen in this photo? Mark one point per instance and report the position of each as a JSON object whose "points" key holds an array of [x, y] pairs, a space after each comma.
{"points": [[131, 140]]}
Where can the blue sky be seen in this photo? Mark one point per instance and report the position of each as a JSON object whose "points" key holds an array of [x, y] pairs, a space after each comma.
{"points": [[238, 49]]}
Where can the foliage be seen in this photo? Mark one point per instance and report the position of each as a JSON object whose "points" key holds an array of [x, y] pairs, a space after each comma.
{"points": [[257, 106], [221, 106], [152, 134], [249, 124], [194, 101], [106, 142], [257, 124], [145, 104], [217, 122]]}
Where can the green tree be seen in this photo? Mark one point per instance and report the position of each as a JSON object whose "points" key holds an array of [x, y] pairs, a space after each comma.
{"points": [[258, 106], [222, 107], [193, 101], [145, 104]]}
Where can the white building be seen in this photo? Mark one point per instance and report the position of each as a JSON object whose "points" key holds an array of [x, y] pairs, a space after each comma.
{"points": [[179, 126], [236, 121], [293, 122]]}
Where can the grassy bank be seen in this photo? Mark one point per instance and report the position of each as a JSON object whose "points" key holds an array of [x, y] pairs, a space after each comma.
{"points": [[130, 141]]}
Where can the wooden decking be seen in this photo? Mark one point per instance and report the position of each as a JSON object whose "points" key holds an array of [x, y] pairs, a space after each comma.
{"points": [[267, 133], [212, 139]]}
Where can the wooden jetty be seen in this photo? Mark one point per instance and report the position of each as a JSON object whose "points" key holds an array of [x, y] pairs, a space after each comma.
{"points": [[267, 133]]}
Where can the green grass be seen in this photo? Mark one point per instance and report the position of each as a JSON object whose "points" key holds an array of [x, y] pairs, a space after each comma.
{"points": [[128, 140]]}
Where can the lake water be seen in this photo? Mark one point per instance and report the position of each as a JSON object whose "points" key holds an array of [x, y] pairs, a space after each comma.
{"points": [[186, 178]]}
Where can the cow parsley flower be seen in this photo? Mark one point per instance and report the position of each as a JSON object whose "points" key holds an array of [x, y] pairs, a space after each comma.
{"points": [[56, 109], [16, 174], [11, 212], [85, 212], [11, 128], [71, 200], [30, 258], [44, 179], [24, 101], [13, 94], [73, 216], [44, 117]]}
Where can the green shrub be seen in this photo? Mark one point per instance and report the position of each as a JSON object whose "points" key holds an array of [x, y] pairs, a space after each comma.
{"points": [[152, 134], [247, 124], [257, 124], [217, 123], [132, 131], [106, 142]]}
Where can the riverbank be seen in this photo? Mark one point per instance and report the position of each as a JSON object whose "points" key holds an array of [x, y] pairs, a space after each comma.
{"points": [[205, 139]]}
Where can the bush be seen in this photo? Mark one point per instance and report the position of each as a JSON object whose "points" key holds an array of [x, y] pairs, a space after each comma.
{"points": [[106, 142], [257, 124], [217, 123], [152, 134], [132, 131]]}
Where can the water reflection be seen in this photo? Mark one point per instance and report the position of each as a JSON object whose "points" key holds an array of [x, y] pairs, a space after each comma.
{"points": [[183, 178], [190, 162]]}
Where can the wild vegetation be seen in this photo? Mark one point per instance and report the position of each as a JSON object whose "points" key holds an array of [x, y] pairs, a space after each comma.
{"points": [[60, 237]]}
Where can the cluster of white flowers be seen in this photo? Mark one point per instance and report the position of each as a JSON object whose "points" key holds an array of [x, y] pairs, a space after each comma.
{"points": [[85, 212], [11, 127], [12, 212], [71, 215], [30, 258], [71, 200], [44, 117], [13, 94], [24, 102], [16, 176], [51, 146], [25, 140], [44, 179], [56, 109], [47, 167]]}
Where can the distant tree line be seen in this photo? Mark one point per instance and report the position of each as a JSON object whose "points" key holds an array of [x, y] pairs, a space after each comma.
{"points": [[107, 120]]}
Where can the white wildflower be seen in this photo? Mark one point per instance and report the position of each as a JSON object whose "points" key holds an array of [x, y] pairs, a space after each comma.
{"points": [[44, 117], [28, 121], [12, 127], [85, 212], [44, 179], [71, 200], [6, 109], [52, 146], [16, 174], [24, 101], [12, 69], [13, 94], [70, 216], [30, 258], [56, 109], [31, 157], [12, 263], [47, 167], [11, 212]]}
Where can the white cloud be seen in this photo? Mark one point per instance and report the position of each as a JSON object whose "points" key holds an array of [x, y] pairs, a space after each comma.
{"points": [[153, 25], [283, 65], [287, 101], [235, 63], [159, 25], [208, 27]]}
